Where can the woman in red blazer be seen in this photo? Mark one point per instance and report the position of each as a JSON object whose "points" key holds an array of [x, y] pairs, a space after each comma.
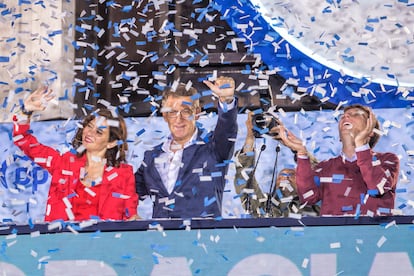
{"points": [[93, 180]]}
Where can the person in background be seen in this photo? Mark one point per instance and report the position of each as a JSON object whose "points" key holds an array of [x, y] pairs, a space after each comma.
{"points": [[283, 200], [185, 175], [359, 181], [91, 182]]}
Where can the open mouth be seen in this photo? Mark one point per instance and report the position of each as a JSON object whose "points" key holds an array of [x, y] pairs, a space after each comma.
{"points": [[347, 125]]}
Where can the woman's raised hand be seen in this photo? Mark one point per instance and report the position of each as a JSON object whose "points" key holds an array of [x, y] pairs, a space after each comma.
{"points": [[38, 100]]}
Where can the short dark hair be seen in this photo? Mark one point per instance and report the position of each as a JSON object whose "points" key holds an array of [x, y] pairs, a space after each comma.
{"points": [[116, 155], [374, 139], [181, 91]]}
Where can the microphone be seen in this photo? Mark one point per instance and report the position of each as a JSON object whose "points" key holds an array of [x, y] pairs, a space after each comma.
{"points": [[278, 148], [273, 183], [249, 183]]}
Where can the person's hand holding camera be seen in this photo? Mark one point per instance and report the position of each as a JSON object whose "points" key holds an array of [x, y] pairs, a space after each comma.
{"points": [[288, 139], [263, 122]]}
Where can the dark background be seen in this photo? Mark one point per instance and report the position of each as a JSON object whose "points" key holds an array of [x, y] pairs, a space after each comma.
{"points": [[146, 58]]}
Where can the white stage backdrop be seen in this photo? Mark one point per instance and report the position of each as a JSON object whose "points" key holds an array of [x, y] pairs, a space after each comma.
{"points": [[24, 187]]}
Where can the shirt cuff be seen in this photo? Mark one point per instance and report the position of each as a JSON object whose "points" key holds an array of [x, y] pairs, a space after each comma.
{"points": [[228, 106], [302, 156], [362, 148]]}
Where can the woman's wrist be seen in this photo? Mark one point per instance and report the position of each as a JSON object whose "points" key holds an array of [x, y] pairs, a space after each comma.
{"points": [[25, 111], [302, 152], [22, 115]]}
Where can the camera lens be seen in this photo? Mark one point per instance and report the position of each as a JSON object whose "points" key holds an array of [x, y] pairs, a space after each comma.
{"points": [[263, 122], [260, 121]]}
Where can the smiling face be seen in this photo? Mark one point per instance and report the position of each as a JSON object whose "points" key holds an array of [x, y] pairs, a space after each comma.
{"points": [[354, 119], [95, 137], [103, 126], [181, 117], [351, 122]]}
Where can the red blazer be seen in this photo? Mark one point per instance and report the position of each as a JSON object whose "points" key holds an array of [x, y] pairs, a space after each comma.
{"points": [[118, 199]]}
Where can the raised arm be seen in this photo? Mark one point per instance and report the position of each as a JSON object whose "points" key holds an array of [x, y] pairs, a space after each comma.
{"points": [[251, 197], [226, 128], [223, 88], [306, 163], [22, 138]]}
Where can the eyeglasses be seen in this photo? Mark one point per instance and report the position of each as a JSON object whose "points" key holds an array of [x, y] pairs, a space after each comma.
{"points": [[185, 113], [353, 114]]}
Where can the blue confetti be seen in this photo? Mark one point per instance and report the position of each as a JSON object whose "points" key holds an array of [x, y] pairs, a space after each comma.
{"points": [[208, 202], [347, 208], [384, 210], [216, 174], [373, 192], [337, 178]]}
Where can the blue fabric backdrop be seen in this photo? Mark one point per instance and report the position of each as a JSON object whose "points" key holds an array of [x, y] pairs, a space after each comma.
{"points": [[278, 53]]}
